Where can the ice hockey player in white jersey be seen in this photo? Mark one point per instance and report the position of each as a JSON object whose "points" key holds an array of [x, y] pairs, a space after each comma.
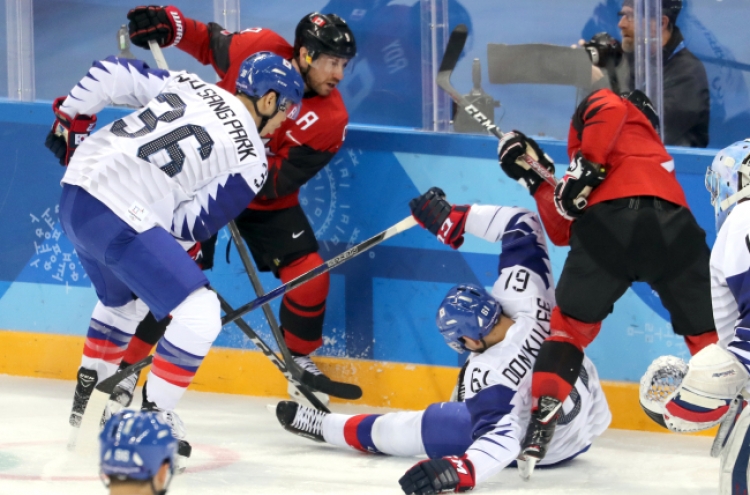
{"points": [[141, 191], [472, 439], [704, 392]]}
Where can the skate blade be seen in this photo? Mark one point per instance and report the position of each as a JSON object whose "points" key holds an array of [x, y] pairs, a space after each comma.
{"points": [[526, 465], [72, 438]]}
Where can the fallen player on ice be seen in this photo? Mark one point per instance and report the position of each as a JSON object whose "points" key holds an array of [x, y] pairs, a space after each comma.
{"points": [[470, 440]]}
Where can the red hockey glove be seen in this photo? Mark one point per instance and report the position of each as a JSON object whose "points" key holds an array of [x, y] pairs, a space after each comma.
{"points": [[445, 221], [67, 132], [573, 190], [452, 473], [513, 146], [161, 24], [196, 252]]}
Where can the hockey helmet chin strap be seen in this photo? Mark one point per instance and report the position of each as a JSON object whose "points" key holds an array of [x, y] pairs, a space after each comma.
{"points": [[263, 118]]}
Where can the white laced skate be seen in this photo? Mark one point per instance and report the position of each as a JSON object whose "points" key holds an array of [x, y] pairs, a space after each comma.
{"points": [[308, 365], [178, 430], [301, 420]]}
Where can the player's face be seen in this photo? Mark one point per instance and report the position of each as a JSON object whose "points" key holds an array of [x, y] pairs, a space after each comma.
{"points": [[273, 124], [325, 73], [627, 29]]}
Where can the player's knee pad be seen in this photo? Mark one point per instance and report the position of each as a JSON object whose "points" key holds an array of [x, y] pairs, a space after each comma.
{"points": [[564, 328], [695, 396], [303, 310], [313, 292], [196, 322]]}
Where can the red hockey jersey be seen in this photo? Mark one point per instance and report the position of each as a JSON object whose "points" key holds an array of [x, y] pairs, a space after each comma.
{"points": [[299, 148], [613, 132]]}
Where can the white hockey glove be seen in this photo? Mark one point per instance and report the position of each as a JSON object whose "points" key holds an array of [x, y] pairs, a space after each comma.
{"points": [[702, 397]]}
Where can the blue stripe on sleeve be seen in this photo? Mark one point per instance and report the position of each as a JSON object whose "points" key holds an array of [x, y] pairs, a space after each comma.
{"points": [[488, 407]]}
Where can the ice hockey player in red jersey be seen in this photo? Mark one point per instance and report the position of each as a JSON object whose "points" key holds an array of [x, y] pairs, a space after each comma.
{"points": [[624, 215], [274, 225]]}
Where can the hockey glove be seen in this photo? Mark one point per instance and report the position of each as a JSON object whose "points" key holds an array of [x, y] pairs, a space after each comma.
{"points": [[67, 132], [513, 146], [445, 221], [196, 252], [161, 24], [455, 474], [573, 190], [603, 49]]}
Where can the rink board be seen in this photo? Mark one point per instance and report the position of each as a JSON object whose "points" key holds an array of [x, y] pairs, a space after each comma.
{"points": [[394, 385], [379, 324]]}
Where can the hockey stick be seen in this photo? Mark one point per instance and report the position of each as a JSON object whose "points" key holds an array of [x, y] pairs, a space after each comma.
{"points": [[453, 51], [84, 438], [161, 62], [360, 248], [260, 344], [304, 377]]}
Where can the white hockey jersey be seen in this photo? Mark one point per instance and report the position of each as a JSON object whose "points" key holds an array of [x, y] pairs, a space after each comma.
{"points": [[189, 161], [730, 283], [497, 382]]}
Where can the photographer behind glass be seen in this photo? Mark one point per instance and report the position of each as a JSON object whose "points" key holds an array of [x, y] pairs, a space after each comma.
{"points": [[686, 94]]}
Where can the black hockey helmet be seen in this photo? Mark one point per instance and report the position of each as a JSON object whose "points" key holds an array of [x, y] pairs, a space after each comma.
{"points": [[643, 103], [324, 33]]}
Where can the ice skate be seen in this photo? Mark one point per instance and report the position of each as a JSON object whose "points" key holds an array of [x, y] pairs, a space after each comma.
{"points": [[301, 420], [307, 364], [178, 430], [86, 381], [538, 435]]}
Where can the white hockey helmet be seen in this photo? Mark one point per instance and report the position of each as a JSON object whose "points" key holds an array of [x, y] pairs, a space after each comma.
{"points": [[728, 178]]}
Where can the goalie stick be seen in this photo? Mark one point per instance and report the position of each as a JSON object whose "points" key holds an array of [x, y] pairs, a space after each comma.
{"points": [[84, 438], [265, 349], [304, 377], [453, 51], [350, 253]]}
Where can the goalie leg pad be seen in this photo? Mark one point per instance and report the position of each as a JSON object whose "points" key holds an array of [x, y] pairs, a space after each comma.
{"points": [[715, 376], [735, 458]]}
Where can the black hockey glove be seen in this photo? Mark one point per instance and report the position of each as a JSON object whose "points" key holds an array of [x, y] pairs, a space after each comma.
{"points": [[448, 474], [603, 49], [574, 188], [67, 132], [165, 25], [433, 213], [513, 146]]}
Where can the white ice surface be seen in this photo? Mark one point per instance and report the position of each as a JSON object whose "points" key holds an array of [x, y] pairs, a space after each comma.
{"points": [[239, 448]]}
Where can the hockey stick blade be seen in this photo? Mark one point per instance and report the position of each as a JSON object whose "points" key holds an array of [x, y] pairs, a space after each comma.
{"points": [[84, 438], [453, 51], [324, 384], [360, 248], [268, 352]]}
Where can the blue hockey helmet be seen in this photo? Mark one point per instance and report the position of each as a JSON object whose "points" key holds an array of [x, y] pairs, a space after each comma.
{"points": [[134, 445], [467, 311], [264, 72], [728, 179]]}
